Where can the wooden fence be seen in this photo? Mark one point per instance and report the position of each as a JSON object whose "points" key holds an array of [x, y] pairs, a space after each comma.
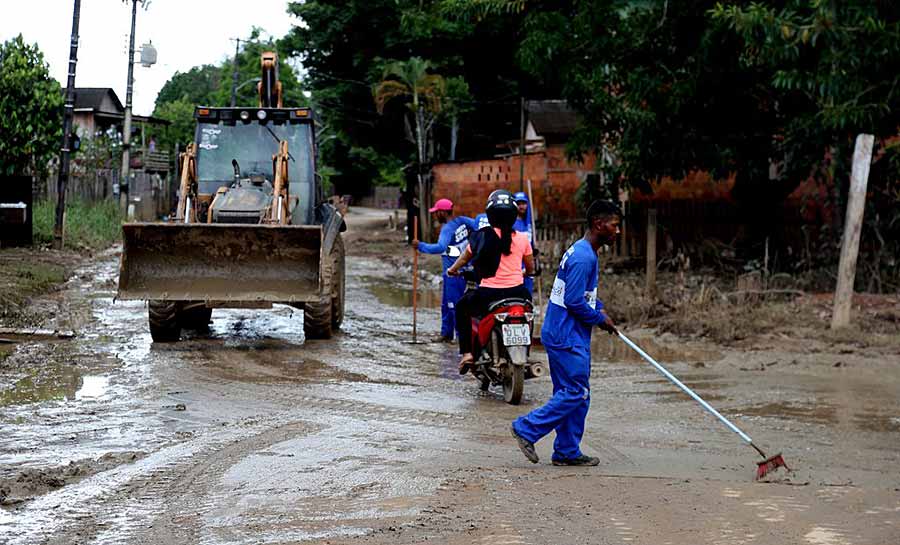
{"points": [[89, 188], [681, 224]]}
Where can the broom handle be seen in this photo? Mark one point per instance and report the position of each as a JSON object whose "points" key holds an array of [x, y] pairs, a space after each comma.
{"points": [[689, 392], [415, 270]]}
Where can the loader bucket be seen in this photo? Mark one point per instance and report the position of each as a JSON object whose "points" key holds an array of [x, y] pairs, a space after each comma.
{"points": [[220, 263]]}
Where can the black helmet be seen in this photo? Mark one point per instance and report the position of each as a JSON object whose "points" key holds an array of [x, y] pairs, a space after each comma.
{"points": [[501, 209]]}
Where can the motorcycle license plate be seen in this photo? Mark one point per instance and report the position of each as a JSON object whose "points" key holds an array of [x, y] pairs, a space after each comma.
{"points": [[516, 335]]}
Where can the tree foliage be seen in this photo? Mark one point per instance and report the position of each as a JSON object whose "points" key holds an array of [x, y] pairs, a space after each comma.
{"points": [[30, 109], [210, 85], [344, 46], [423, 92]]}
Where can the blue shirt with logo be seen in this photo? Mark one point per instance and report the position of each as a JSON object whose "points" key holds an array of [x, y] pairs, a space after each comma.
{"points": [[574, 308], [454, 234]]}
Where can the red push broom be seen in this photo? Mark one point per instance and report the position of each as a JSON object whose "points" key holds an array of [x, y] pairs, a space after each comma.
{"points": [[769, 463]]}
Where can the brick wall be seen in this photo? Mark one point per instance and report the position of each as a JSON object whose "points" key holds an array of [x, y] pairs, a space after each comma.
{"points": [[554, 181]]}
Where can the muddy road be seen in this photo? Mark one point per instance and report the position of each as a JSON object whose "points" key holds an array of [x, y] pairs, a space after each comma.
{"points": [[250, 434]]}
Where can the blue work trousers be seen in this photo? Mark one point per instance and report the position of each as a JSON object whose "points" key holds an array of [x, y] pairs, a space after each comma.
{"points": [[565, 412], [454, 287], [529, 285]]}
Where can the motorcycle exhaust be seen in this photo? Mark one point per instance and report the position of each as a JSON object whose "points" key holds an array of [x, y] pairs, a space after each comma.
{"points": [[535, 370]]}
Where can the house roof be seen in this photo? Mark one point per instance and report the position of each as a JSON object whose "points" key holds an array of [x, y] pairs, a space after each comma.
{"points": [[552, 118], [91, 98]]}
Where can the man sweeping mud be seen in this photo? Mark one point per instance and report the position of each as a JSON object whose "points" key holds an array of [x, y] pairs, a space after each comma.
{"points": [[566, 334]]}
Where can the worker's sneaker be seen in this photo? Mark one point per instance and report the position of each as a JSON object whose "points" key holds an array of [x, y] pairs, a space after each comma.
{"points": [[580, 461], [526, 446]]}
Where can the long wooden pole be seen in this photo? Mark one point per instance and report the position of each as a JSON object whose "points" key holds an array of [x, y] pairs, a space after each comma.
{"points": [[651, 252], [533, 235], [415, 271], [856, 204]]}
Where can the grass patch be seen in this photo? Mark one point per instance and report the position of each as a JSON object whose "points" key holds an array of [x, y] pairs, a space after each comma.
{"points": [[88, 225], [21, 279]]}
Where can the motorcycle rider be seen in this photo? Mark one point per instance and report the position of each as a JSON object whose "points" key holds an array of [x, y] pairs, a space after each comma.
{"points": [[566, 335], [499, 252], [452, 241]]}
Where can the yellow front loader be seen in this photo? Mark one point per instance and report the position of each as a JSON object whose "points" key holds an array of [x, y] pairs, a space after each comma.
{"points": [[251, 227]]}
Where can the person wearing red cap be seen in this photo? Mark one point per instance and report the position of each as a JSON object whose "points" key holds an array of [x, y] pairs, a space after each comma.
{"points": [[452, 242]]}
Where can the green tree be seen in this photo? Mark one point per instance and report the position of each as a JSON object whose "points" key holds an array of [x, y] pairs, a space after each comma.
{"points": [[836, 65], [457, 103], [422, 92], [249, 68], [30, 109], [210, 85], [180, 115], [342, 45], [198, 86]]}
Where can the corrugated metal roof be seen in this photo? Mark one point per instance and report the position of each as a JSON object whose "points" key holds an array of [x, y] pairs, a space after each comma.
{"points": [[552, 117], [91, 98]]}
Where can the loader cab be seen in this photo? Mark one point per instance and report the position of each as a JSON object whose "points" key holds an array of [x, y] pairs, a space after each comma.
{"points": [[251, 136]]}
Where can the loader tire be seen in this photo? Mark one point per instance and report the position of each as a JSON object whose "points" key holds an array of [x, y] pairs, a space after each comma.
{"points": [[319, 318], [164, 324]]}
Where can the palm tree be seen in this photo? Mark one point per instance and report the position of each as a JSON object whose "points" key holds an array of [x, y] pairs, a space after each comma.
{"points": [[423, 92]]}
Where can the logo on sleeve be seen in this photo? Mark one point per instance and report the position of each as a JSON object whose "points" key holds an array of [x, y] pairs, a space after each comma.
{"points": [[590, 298]]}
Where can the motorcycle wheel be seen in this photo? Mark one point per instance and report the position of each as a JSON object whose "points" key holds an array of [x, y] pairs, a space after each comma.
{"points": [[514, 384]]}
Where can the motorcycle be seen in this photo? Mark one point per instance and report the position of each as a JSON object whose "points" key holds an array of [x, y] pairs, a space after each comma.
{"points": [[502, 345]]}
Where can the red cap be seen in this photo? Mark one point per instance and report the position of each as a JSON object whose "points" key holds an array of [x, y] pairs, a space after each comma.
{"points": [[442, 204]]}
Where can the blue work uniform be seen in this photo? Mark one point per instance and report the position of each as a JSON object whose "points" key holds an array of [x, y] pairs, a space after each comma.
{"points": [[566, 334], [454, 234], [481, 221], [523, 225]]}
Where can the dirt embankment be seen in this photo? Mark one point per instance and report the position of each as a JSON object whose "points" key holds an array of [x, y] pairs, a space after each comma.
{"points": [[27, 274], [32, 482]]}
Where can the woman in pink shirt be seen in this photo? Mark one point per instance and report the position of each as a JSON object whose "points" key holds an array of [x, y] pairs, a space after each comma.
{"points": [[499, 252]]}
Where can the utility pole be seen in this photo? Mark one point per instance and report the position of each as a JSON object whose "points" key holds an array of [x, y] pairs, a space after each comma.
{"points": [[126, 132], [234, 75], [522, 144], [59, 228]]}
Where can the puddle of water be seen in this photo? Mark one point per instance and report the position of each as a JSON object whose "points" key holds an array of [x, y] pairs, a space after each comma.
{"points": [[819, 413], [611, 349], [400, 295], [48, 384], [92, 387]]}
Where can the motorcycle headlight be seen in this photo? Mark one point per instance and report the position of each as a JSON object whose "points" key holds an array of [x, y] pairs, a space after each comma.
{"points": [[501, 317]]}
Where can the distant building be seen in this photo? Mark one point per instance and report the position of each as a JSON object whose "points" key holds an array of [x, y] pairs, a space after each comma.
{"points": [[98, 109], [554, 178]]}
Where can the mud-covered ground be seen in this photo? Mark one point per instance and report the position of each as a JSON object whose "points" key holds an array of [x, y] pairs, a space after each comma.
{"points": [[252, 435]]}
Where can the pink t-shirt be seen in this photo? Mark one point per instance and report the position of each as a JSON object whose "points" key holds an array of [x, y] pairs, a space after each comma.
{"points": [[509, 273]]}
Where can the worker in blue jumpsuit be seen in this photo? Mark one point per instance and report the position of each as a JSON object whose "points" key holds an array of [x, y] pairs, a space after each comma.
{"points": [[566, 335], [523, 225], [452, 242]]}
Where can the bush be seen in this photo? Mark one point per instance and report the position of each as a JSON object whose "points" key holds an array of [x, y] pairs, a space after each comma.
{"points": [[88, 225]]}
